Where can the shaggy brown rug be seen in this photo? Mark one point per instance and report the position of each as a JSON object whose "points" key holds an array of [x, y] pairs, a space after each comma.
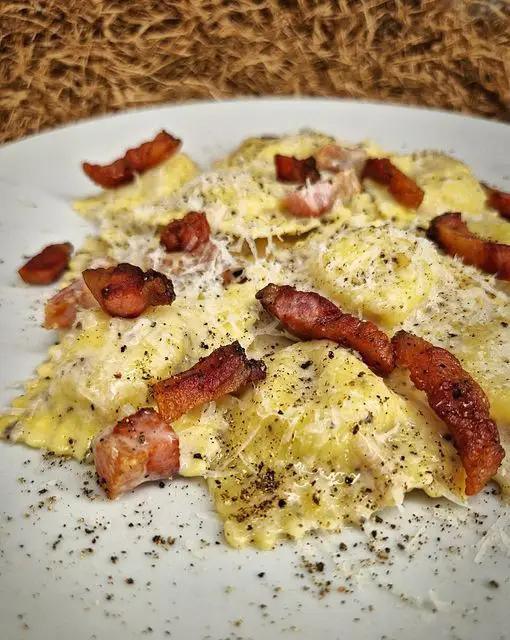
{"points": [[62, 60]]}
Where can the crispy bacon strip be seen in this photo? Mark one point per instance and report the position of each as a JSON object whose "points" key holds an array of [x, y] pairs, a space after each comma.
{"points": [[453, 236], [225, 370], [48, 265], [290, 169], [309, 316], [402, 188], [139, 448], [499, 200], [333, 157], [126, 291], [190, 233], [459, 401], [136, 160], [60, 310]]}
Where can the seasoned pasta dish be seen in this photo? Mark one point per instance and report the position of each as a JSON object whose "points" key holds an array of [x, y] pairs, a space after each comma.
{"points": [[312, 328]]}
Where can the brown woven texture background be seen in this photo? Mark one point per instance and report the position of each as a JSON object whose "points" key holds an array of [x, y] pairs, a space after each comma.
{"points": [[61, 60]]}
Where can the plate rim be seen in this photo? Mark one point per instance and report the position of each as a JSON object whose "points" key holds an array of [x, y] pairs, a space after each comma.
{"points": [[239, 100]]}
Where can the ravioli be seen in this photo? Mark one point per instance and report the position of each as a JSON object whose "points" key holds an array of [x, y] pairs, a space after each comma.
{"points": [[152, 186], [490, 226], [241, 197], [323, 441], [238, 203], [381, 272], [200, 433], [96, 375], [259, 153], [449, 185]]}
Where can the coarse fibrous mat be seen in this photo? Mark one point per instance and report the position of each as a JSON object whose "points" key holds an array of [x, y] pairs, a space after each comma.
{"points": [[62, 60]]}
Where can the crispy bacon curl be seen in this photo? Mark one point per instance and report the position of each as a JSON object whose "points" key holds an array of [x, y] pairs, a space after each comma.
{"points": [[225, 370], [290, 169], [309, 316], [499, 200], [139, 448], [402, 188], [135, 161], [453, 236], [61, 309], [189, 234], [459, 401], [48, 265], [126, 291]]}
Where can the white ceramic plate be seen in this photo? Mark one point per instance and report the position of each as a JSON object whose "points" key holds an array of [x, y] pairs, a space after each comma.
{"points": [[446, 569]]}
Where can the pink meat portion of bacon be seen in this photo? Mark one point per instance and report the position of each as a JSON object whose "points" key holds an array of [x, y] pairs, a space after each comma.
{"points": [[48, 265], [61, 309], [459, 401], [334, 158], [310, 201], [126, 291], [317, 196], [135, 161], [139, 448], [225, 370], [310, 316], [190, 233], [313, 200], [451, 233]]}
